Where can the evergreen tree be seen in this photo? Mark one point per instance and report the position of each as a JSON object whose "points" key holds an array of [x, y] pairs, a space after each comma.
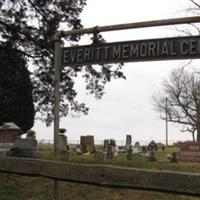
{"points": [[16, 102]]}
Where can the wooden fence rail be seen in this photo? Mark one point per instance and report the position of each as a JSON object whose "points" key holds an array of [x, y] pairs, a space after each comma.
{"points": [[104, 175]]}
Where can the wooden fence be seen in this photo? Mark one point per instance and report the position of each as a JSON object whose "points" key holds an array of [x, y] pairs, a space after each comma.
{"points": [[104, 175]]}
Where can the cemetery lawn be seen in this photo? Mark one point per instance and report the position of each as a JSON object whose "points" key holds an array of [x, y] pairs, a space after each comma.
{"points": [[162, 162]]}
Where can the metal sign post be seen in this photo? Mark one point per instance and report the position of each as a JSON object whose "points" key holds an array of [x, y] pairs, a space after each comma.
{"points": [[57, 95], [56, 106]]}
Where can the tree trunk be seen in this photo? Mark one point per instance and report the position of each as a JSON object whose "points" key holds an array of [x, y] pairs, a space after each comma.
{"points": [[193, 137], [198, 135]]}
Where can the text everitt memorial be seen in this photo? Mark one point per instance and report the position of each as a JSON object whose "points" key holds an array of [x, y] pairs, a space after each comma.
{"points": [[133, 51]]}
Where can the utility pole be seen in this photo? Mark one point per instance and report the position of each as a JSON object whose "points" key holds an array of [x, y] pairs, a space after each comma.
{"points": [[166, 121]]}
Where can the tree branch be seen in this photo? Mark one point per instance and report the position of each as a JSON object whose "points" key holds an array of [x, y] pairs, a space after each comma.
{"points": [[37, 10], [195, 3], [13, 28]]}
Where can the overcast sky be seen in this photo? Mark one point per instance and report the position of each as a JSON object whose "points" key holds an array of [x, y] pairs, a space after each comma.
{"points": [[126, 108]]}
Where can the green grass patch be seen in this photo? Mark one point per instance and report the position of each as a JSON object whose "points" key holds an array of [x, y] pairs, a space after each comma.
{"points": [[162, 162]]}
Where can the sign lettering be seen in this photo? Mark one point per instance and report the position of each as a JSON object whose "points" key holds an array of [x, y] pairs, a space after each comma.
{"points": [[133, 51]]}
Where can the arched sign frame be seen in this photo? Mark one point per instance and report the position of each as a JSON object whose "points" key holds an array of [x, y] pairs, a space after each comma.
{"points": [[128, 51]]}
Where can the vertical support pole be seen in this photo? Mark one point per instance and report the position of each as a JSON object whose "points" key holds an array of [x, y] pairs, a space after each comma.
{"points": [[166, 121], [57, 96], [57, 63]]}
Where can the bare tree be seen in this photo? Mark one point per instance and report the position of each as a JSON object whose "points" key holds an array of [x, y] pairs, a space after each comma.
{"points": [[192, 29], [182, 90]]}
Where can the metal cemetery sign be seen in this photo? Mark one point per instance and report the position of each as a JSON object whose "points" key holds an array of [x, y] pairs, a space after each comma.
{"points": [[133, 51]]}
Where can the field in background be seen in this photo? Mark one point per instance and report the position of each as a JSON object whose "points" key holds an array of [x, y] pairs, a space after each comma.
{"points": [[118, 142], [48, 144]]}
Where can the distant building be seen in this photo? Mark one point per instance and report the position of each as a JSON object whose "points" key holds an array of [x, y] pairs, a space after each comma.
{"points": [[9, 132]]}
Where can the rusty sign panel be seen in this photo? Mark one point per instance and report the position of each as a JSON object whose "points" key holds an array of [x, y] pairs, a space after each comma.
{"points": [[133, 51]]}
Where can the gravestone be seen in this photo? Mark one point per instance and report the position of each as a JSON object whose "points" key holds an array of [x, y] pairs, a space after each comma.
{"points": [[128, 140], [137, 148], [64, 154], [174, 158], [87, 144], [30, 134], [105, 144], [62, 142], [115, 150], [152, 146], [78, 150], [24, 148], [109, 154], [190, 151]]}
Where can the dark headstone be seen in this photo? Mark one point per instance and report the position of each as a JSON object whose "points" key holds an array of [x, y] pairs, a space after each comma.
{"points": [[109, 152], [128, 140], [174, 158], [24, 148], [87, 144], [105, 143], [190, 151], [152, 146], [112, 142]]}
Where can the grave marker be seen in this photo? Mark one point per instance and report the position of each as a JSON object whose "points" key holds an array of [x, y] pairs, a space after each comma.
{"points": [[190, 151], [24, 148]]}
